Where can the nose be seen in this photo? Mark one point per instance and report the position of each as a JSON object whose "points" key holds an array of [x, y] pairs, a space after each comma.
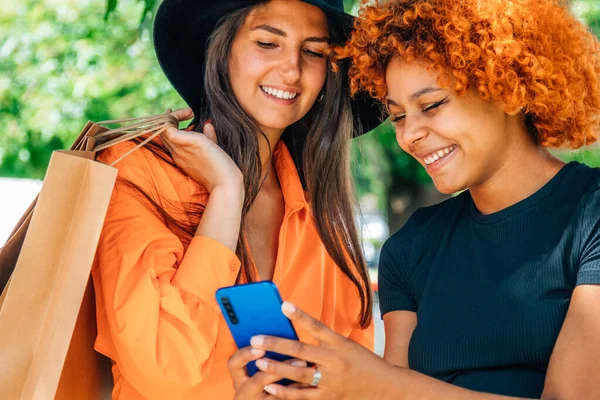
{"points": [[291, 70], [412, 131]]}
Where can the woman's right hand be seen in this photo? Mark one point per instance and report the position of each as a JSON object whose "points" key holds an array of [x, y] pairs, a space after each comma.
{"points": [[199, 156]]}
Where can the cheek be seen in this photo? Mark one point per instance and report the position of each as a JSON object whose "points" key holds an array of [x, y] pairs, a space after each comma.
{"points": [[314, 76], [399, 139], [245, 69]]}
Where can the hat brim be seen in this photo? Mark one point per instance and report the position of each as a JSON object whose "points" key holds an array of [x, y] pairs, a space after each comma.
{"points": [[181, 31]]}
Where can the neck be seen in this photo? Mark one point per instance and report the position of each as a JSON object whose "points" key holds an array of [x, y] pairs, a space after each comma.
{"points": [[526, 168], [266, 156]]}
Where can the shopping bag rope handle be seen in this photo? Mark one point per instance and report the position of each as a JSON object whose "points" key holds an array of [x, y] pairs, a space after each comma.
{"points": [[153, 125]]}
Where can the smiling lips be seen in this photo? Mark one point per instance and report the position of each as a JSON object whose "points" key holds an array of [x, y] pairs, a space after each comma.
{"points": [[437, 155], [280, 94]]}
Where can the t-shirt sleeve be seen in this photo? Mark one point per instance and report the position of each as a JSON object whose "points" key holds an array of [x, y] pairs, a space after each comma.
{"points": [[395, 270], [589, 265]]}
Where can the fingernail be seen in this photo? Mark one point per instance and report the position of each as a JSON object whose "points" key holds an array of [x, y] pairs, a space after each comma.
{"points": [[288, 308], [270, 389], [257, 352], [262, 364], [257, 341], [299, 363]]}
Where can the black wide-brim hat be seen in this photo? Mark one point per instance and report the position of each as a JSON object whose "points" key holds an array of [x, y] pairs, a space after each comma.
{"points": [[181, 32]]}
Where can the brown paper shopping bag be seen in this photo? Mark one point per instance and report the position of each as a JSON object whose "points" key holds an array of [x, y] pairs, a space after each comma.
{"points": [[47, 310]]}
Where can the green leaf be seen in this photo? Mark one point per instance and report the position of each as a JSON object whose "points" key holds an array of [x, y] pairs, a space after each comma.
{"points": [[111, 6], [148, 8]]}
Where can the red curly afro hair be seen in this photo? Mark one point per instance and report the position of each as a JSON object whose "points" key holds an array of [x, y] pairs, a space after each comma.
{"points": [[528, 55]]}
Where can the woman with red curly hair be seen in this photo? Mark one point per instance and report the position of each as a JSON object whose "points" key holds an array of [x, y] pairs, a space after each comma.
{"points": [[494, 293]]}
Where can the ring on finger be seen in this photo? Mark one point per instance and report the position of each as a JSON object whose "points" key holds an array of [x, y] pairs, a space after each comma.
{"points": [[316, 378]]}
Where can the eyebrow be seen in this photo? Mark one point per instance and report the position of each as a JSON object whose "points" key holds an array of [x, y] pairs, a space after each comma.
{"points": [[279, 32], [415, 95]]}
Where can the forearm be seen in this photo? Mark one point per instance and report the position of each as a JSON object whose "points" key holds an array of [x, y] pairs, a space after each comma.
{"points": [[222, 215], [405, 384]]}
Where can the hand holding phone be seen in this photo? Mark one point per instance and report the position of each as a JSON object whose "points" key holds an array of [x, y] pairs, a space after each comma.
{"points": [[255, 309]]}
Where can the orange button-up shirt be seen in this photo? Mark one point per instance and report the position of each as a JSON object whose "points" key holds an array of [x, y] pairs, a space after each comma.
{"points": [[157, 314]]}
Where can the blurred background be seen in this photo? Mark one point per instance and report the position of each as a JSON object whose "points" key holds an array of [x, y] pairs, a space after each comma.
{"points": [[64, 62]]}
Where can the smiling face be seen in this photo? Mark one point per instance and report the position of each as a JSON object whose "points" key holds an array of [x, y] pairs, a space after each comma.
{"points": [[460, 140], [277, 66]]}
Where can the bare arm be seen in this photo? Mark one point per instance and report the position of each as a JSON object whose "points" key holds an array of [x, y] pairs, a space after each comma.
{"points": [[574, 370], [222, 216], [399, 327]]}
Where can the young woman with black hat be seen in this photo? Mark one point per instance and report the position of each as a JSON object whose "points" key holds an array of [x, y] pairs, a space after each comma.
{"points": [[263, 191]]}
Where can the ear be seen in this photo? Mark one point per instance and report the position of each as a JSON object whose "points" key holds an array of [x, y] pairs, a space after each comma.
{"points": [[515, 111]]}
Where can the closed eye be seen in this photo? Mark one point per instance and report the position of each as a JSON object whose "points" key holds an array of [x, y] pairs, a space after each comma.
{"points": [[397, 118], [265, 45], [435, 105], [311, 53]]}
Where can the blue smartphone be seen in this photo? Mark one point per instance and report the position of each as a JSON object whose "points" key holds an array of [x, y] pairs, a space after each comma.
{"points": [[255, 309]]}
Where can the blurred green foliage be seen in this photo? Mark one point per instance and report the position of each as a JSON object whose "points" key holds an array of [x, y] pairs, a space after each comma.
{"points": [[64, 62]]}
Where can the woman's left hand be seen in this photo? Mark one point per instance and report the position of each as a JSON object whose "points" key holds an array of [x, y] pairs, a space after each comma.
{"points": [[252, 388], [249, 388], [348, 370]]}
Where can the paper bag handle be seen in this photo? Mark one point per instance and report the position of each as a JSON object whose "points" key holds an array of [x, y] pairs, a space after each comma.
{"points": [[153, 125]]}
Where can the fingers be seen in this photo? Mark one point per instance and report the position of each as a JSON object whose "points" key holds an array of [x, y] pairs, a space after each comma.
{"points": [[183, 114], [292, 393], [181, 138], [165, 141], [237, 364], [299, 385], [315, 327], [296, 363], [175, 136], [262, 379], [255, 386], [292, 348], [290, 371], [209, 132]]}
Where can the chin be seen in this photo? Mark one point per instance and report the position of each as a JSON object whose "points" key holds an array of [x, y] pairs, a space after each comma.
{"points": [[447, 188], [275, 123]]}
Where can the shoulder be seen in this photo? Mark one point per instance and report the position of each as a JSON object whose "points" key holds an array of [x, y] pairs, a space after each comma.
{"points": [[148, 167], [421, 229], [126, 157], [582, 177], [589, 210], [584, 182], [425, 221], [592, 186], [149, 175]]}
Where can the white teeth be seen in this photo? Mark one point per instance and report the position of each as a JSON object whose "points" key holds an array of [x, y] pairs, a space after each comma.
{"points": [[280, 94], [438, 155]]}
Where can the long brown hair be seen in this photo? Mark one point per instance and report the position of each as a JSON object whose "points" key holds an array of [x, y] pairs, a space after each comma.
{"points": [[322, 159]]}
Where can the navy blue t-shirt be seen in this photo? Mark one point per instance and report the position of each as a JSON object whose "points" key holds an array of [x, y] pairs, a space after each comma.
{"points": [[491, 292]]}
